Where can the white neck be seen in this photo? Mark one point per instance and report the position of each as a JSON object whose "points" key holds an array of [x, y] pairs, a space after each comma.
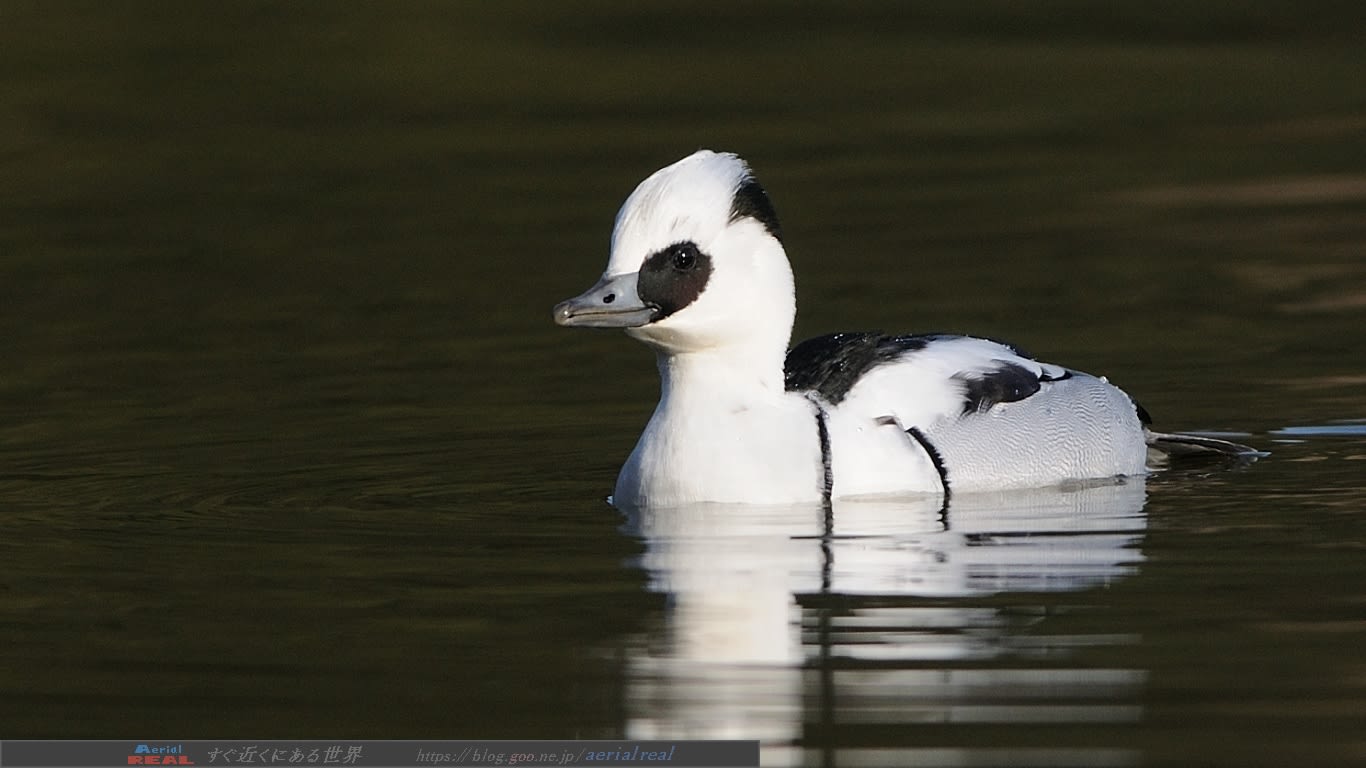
{"points": [[736, 371]]}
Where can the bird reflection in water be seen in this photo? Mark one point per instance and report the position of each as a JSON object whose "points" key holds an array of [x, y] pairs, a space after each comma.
{"points": [[818, 628]]}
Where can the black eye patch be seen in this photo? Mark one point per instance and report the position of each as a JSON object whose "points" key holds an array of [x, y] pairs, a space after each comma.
{"points": [[673, 277]]}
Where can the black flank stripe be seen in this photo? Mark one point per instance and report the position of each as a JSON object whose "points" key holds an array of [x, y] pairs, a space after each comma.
{"points": [[935, 457], [823, 432]]}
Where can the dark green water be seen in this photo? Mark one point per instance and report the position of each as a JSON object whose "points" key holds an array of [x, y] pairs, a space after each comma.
{"points": [[289, 445]]}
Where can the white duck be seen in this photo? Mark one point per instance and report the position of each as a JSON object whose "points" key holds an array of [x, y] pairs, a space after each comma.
{"points": [[698, 272]]}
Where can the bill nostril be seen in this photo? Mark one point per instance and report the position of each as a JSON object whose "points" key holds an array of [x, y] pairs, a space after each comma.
{"points": [[609, 298]]}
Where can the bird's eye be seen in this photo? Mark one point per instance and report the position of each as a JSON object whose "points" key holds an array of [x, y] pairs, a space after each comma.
{"points": [[685, 257]]}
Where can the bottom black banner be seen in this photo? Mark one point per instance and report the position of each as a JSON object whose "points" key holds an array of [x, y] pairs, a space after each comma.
{"points": [[378, 754]]}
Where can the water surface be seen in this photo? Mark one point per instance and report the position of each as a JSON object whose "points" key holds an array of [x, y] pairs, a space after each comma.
{"points": [[289, 445]]}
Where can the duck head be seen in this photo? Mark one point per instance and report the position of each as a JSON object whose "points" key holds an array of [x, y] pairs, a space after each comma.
{"points": [[697, 264]]}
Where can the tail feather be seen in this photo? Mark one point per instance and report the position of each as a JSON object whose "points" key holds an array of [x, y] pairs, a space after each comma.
{"points": [[1179, 447]]}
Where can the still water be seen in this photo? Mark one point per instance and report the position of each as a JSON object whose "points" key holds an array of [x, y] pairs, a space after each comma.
{"points": [[289, 446]]}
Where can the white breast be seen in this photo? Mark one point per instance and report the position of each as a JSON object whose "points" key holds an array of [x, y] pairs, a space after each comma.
{"points": [[721, 443]]}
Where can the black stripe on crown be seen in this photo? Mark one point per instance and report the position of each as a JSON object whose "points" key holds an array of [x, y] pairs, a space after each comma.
{"points": [[751, 201]]}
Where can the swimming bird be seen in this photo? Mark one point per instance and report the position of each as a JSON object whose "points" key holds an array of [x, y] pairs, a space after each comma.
{"points": [[698, 272]]}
